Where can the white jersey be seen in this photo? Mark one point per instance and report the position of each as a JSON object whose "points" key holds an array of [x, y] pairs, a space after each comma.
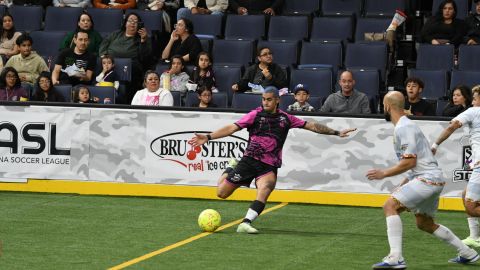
{"points": [[472, 117], [409, 141]]}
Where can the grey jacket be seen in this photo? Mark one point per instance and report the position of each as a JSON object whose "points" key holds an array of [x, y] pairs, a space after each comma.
{"points": [[357, 103]]}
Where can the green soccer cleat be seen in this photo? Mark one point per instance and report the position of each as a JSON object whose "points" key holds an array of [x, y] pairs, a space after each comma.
{"points": [[245, 227], [472, 242]]}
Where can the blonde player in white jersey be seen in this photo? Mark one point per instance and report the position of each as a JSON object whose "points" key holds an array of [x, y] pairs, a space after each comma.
{"points": [[419, 192], [471, 195]]}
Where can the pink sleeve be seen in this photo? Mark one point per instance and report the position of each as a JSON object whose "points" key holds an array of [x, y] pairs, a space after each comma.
{"points": [[296, 122], [247, 119]]}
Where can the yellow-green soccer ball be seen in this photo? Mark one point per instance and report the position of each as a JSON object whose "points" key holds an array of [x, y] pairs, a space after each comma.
{"points": [[209, 220]]}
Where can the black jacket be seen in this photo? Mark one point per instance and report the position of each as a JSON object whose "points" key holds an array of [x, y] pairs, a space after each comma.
{"points": [[279, 78]]}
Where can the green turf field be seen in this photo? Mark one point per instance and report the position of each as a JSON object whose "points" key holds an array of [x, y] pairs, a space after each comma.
{"points": [[45, 231]]}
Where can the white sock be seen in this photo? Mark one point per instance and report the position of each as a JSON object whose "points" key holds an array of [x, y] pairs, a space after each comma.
{"points": [[473, 225], [443, 233], [394, 232], [251, 214]]}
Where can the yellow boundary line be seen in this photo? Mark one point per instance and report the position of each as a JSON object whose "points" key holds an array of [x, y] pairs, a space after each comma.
{"points": [[205, 192], [186, 241]]}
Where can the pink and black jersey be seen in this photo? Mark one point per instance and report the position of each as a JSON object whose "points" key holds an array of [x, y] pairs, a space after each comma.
{"points": [[268, 132]]}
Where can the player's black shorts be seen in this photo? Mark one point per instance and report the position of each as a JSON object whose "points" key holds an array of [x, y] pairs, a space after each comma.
{"points": [[248, 169]]}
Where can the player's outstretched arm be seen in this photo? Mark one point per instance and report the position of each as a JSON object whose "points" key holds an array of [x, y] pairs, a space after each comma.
{"points": [[454, 125], [322, 129], [404, 165], [200, 139]]}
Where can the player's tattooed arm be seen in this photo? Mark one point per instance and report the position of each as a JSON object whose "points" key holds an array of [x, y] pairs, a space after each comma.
{"points": [[322, 129]]}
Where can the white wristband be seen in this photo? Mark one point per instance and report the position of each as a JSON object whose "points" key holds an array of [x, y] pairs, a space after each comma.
{"points": [[434, 145]]}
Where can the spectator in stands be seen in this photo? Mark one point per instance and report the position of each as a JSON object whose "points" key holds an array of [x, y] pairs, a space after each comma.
{"points": [[205, 7], [169, 8], [348, 99], [85, 23], [205, 95], [108, 76], [81, 94], [28, 64], [75, 66], [460, 100], [119, 4], [71, 3], [473, 25], [43, 3], [255, 7], [202, 74], [10, 87], [152, 94], [8, 38], [301, 97], [414, 104], [175, 79], [443, 27], [45, 91], [131, 41], [264, 73], [183, 42]]}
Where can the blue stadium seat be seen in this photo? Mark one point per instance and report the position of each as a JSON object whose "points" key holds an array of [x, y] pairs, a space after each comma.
{"points": [[332, 29], [62, 18], [242, 27], [65, 90], [284, 52], [207, 27], [367, 56], [321, 53], [220, 99], [243, 101], [152, 19], [368, 25], [106, 20], [319, 81], [46, 43], [288, 28], [469, 78], [123, 68], [102, 93], [286, 100], [300, 7], [225, 77], [435, 82], [435, 57], [382, 8], [27, 18], [206, 44], [3, 9], [462, 8], [468, 57], [232, 52], [177, 98], [441, 104], [341, 8]]}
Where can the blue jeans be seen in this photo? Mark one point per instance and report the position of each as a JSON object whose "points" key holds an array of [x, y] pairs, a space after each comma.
{"points": [[187, 13]]}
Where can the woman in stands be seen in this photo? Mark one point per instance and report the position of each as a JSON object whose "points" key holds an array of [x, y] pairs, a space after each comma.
{"points": [[183, 42], [45, 91], [175, 79], [202, 74], [131, 41], [85, 23], [152, 94], [460, 100], [444, 27], [8, 37], [10, 87]]}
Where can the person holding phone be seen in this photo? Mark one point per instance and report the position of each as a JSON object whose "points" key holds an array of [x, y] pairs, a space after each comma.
{"points": [[183, 42], [131, 41]]}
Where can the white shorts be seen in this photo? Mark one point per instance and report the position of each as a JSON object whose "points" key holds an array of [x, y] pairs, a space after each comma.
{"points": [[473, 186], [419, 197]]}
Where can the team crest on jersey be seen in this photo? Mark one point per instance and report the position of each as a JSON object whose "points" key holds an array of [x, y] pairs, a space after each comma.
{"points": [[463, 173], [404, 147]]}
